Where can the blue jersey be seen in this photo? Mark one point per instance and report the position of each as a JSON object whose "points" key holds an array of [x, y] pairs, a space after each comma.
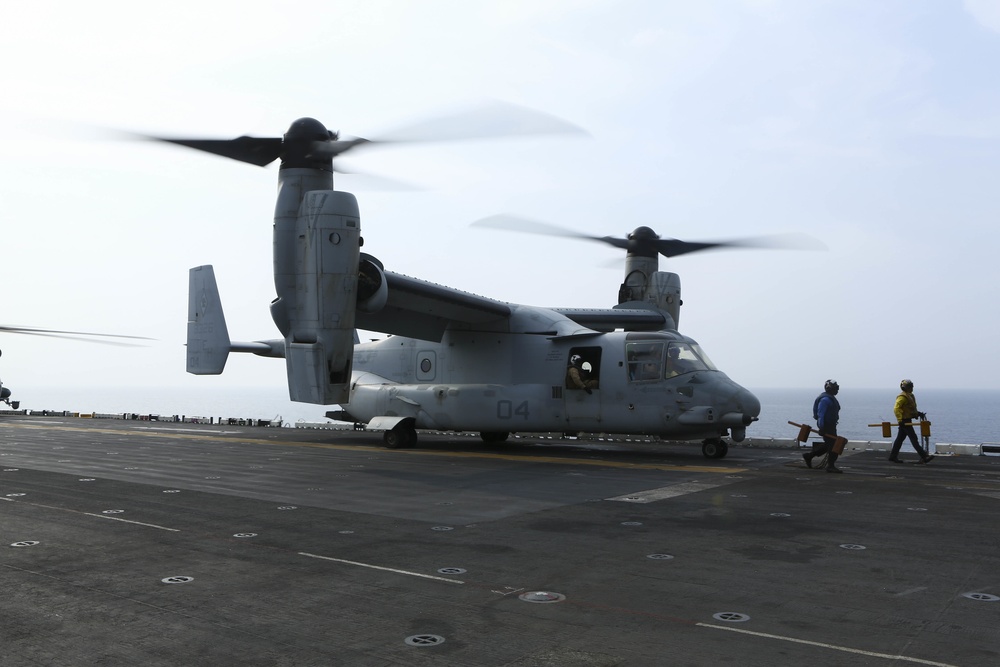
{"points": [[826, 411]]}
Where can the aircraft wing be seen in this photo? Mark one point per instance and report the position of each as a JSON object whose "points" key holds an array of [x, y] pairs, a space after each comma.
{"points": [[609, 319], [419, 309]]}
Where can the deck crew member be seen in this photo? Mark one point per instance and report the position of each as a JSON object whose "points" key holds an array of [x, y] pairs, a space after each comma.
{"points": [[826, 412], [906, 411]]}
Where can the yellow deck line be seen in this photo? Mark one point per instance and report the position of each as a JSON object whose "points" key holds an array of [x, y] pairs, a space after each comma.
{"points": [[404, 452]]}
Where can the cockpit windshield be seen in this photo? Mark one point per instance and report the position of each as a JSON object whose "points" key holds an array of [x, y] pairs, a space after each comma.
{"points": [[686, 358], [649, 360], [700, 354]]}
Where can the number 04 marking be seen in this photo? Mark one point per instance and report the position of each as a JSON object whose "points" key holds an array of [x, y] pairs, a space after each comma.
{"points": [[507, 410]]}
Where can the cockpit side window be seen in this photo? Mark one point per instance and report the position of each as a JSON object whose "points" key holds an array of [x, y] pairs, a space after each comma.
{"points": [[644, 361]]}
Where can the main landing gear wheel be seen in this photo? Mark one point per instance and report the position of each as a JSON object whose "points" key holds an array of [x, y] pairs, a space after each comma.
{"points": [[401, 437], [714, 448], [494, 437]]}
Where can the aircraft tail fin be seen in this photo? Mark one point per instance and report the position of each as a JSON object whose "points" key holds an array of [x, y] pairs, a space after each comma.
{"points": [[207, 336]]}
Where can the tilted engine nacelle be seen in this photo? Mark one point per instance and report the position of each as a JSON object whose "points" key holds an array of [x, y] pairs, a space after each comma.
{"points": [[665, 293], [644, 284], [373, 290], [317, 317]]}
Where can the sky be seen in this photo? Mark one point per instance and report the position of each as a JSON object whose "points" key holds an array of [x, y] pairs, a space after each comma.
{"points": [[872, 127]]}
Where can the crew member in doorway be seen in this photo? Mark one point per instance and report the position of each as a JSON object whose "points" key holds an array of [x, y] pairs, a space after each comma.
{"points": [[826, 412], [906, 411], [577, 378]]}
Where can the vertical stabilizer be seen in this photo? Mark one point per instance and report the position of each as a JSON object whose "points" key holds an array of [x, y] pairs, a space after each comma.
{"points": [[207, 335]]}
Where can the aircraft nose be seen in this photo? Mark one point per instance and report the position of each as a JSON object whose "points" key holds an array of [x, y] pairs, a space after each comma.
{"points": [[746, 410], [747, 403]]}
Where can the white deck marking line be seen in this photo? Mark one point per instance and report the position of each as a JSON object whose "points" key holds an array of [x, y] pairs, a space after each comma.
{"points": [[99, 516], [668, 492], [379, 567], [183, 430], [833, 647], [138, 523]]}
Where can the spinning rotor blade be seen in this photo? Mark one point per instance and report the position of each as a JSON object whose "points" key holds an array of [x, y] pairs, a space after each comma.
{"points": [[258, 151], [513, 223], [309, 139], [487, 121], [644, 241], [789, 241], [84, 336]]}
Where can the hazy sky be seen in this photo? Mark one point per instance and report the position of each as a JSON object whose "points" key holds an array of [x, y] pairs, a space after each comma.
{"points": [[872, 126]]}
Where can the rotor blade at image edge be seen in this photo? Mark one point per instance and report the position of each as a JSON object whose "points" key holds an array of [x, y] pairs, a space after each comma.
{"points": [[85, 336]]}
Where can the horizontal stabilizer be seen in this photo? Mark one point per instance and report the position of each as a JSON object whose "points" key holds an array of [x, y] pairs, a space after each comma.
{"points": [[262, 348]]}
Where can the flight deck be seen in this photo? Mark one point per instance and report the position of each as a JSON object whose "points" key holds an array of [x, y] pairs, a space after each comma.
{"points": [[153, 543]]}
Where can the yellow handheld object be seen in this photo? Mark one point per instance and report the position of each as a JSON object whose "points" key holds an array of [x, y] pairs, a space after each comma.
{"points": [[925, 428]]}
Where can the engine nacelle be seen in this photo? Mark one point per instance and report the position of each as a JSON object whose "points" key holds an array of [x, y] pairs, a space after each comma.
{"points": [[373, 290], [665, 292], [319, 343], [644, 284]]}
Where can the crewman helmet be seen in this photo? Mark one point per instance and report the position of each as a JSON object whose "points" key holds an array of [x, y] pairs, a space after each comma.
{"points": [[906, 385], [831, 387], [575, 360]]}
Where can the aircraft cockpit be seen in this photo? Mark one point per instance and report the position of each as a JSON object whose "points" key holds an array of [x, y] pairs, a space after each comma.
{"points": [[650, 360]]}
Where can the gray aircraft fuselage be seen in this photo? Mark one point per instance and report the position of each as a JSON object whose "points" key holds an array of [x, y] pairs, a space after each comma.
{"points": [[510, 382]]}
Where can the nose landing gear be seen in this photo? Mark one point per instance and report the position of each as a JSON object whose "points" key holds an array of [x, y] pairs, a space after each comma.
{"points": [[714, 448]]}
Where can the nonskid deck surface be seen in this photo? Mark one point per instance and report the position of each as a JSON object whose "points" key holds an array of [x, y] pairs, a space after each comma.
{"points": [[168, 544]]}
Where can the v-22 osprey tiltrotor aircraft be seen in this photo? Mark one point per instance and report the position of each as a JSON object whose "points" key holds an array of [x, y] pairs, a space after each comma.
{"points": [[455, 360]]}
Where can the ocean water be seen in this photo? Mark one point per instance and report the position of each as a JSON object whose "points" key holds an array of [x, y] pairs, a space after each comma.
{"points": [[958, 416], [242, 402]]}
